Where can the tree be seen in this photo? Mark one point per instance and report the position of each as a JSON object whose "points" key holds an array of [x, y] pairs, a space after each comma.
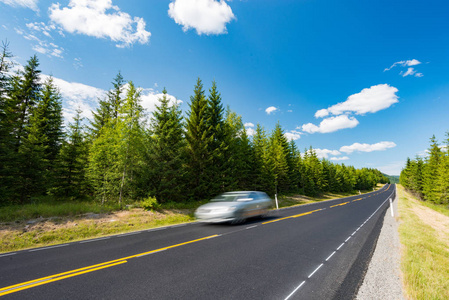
{"points": [[278, 160], [166, 144], [443, 175], [431, 171], [71, 171], [198, 140]]}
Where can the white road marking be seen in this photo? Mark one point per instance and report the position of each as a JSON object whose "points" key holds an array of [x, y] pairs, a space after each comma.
{"points": [[340, 246], [331, 255], [8, 254], [251, 227], [315, 270], [347, 239], [131, 233], [39, 249], [94, 240], [291, 294]]}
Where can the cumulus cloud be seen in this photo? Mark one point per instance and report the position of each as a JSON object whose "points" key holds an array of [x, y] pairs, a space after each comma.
{"points": [[271, 109], [249, 125], [31, 4], [381, 146], [150, 99], [331, 124], [292, 135], [324, 153], [205, 16], [369, 100], [77, 95], [339, 158], [100, 19], [250, 131]]}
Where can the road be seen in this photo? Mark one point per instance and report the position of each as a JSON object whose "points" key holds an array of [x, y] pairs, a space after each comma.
{"points": [[317, 251]]}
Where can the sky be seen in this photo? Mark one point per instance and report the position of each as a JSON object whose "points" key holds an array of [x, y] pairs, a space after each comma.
{"points": [[365, 83]]}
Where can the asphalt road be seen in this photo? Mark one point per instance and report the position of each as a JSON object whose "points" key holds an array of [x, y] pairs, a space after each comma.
{"points": [[317, 251]]}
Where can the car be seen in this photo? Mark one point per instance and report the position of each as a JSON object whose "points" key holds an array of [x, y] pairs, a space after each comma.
{"points": [[234, 207]]}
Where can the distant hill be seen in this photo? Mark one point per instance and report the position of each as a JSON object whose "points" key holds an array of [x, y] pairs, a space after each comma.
{"points": [[392, 178]]}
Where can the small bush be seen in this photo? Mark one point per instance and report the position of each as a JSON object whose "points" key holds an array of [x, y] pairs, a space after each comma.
{"points": [[150, 203]]}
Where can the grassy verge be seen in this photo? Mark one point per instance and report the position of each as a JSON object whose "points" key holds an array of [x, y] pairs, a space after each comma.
{"points": [[49, 222], [424, 235]]}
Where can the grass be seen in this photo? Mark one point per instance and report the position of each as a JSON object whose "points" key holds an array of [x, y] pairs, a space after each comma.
{"points": [[425, 253], [48, 221]]}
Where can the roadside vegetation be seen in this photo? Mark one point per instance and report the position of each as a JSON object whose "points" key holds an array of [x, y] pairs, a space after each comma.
{"points": [[126, 158], [424, 235], [49, 223]]}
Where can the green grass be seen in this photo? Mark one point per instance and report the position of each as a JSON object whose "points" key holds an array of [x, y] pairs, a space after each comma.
{"points": [[61, 221], [50, 208], [425, 256]]}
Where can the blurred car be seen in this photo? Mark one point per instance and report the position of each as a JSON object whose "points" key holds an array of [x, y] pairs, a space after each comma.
{"points": [[234, 207]]}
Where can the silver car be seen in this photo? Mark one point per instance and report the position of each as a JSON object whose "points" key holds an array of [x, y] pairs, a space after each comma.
{"points": [[234, 207]]}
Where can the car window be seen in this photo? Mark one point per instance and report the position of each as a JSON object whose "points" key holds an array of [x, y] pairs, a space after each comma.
{"points": [[230, 197]]}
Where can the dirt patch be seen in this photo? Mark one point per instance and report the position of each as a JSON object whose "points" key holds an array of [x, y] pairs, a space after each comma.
{"points": [[434, 219]]}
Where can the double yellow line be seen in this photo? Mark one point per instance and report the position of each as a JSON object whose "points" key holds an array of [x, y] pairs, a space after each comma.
{"points": [[52, 278]]}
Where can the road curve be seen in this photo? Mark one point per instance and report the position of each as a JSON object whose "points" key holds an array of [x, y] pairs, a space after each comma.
{"points": [[316, 251]]}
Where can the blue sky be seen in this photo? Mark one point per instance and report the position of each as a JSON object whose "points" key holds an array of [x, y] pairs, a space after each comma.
{"points": [[363, 82]]}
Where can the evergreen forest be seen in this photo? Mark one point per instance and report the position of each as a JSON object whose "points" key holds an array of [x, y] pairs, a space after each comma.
{"points": [[124, 153], [428, 177]]}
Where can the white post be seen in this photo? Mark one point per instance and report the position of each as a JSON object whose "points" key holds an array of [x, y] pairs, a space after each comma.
{"points": [[276, 198], [360, 192], [391, 207]]}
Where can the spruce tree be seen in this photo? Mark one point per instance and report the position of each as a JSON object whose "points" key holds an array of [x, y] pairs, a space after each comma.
{"points": [[166, 143], [431, 171], [198, 141]]}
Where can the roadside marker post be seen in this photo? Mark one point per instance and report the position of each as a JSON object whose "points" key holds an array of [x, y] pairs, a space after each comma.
{"points": [[391, 207], [276, 198]]}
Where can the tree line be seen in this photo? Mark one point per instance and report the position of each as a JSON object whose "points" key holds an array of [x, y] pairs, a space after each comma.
{"points": [[124, 154], [428, 177]]}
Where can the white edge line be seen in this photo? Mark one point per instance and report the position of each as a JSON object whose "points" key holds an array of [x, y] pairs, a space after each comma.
{"points": [[39, 249], [94, 240], [251, 227], [315, 270], [331, 255], [294, 291], [347, 239], [342, 244], [8, 254], [131, 233]]}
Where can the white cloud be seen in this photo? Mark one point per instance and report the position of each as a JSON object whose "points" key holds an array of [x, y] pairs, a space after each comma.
{"points": [[293, 135], [411, 71], [150, 99], [249, 125], [206, 16], [100, 19], [404, 63], [369, 100], [271, 109], [381, 146], [331, 124], [31, 4], [324, 153], [339, 158], [250, 131], [77, 95]]}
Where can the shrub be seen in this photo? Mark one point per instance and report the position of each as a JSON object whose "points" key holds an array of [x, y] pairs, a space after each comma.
{"points": [[150, 203]]}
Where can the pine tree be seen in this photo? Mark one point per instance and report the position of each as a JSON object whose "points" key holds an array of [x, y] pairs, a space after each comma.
{"points": [[278, 160], [263, 177], [443, 175], [71, 171], [166, 143], [431, 171], [198, 143], [115, 95], [6, 135]]}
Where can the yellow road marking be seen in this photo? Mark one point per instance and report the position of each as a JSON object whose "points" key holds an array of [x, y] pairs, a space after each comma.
{"points": [[357, 199], [294, 216], [44, 280], [340, 204]]}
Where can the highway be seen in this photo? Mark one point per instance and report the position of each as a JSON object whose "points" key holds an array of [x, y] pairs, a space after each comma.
{"points": [[316, 251]]}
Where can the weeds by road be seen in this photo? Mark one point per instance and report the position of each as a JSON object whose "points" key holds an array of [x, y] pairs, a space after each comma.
{"points": [[424, 235]]}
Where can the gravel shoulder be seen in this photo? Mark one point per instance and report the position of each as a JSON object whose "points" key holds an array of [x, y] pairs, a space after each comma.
{"points": [[383, 278]]}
